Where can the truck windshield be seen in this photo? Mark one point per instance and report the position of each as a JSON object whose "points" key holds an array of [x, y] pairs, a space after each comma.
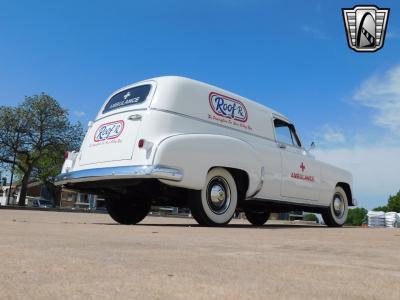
{"points": [[128, 97]]}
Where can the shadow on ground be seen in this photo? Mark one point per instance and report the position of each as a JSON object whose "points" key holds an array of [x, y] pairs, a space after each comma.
{"points": [[243, 226]]}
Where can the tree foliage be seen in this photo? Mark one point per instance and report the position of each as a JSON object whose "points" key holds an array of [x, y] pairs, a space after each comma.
{"points": [[381, 208], [311, 217], [394, 203], [356, 216], [37, 132]]}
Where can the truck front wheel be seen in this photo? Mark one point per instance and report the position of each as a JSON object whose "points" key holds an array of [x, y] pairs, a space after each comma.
{"points": [[216, 203], [126, 210], [336, 214]]}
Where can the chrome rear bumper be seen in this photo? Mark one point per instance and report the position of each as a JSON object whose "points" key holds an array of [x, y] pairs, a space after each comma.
{"points": [[112, 173]]}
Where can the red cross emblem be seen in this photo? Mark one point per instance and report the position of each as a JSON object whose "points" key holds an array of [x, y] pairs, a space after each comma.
{"points": [[302, 167]]}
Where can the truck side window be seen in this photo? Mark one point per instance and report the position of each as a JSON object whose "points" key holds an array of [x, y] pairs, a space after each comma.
{"points": [[285, 133]]}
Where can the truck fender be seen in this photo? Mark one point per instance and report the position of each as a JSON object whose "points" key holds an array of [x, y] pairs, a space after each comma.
{"points": [[196, 154]]}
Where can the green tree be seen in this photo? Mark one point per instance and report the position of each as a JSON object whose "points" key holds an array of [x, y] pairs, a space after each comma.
{"points": [[394, 203], [381, 208], [311, 217], [356, 216], [35, 133], [46, 169]]}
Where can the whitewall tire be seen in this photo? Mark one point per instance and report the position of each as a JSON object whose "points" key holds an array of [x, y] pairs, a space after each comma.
{"points": [[216, 203], [336, 214]]}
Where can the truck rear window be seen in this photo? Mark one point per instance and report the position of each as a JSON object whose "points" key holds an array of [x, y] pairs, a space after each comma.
{"points": [[128, 97]]}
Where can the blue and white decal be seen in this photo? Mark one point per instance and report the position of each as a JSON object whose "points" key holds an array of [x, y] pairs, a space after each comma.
{"points": [[228, 107], [109, 131]]}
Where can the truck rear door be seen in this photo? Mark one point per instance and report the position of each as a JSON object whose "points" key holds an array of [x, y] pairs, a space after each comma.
{"points": [[112, 137]]}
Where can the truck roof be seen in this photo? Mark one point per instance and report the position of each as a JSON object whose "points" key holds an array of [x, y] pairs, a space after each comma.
{"points": [[173, 80]]}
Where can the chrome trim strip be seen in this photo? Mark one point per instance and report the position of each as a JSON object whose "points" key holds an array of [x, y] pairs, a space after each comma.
{"points": [[126, 172], [285, 202], [211, 123], [234, 129]]}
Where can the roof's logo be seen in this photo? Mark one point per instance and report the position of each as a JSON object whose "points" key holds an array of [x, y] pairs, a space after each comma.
{"points": [[228, 107], [109, 131]]}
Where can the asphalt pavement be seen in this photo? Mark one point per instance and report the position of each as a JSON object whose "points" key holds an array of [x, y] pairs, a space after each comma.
{"points": [[59, 255]]}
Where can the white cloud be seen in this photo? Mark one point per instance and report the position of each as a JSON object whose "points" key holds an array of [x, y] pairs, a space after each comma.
{"points": [[79, 113], [329, 136], [382, 94], [373, 160], [375, 171], [315, 32]]}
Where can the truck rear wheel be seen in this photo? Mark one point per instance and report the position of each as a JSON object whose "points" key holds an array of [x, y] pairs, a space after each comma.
{"points": [[216, 203], [126, 210], [336, 214], [257, 218]]}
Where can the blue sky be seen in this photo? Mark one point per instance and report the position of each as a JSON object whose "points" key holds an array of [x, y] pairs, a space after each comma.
{"points": [[289, 55]]}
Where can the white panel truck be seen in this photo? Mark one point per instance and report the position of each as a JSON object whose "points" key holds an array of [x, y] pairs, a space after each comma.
{"points": [[180, 142]]}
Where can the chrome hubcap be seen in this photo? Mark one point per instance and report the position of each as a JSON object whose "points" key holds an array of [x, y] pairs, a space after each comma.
{"points": [[218, 195], [338, 205]]}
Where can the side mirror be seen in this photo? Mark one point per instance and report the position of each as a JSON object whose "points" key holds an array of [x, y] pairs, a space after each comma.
{"points": [[312, 146]]}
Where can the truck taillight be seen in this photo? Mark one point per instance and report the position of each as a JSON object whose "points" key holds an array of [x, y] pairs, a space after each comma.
{"points": [[141, 143], [66, 154]]}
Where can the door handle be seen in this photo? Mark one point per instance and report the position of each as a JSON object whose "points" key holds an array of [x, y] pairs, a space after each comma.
{"points": [[135, 117], [282, 146]]}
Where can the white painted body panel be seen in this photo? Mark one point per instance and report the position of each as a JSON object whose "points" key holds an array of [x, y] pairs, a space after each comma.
{"points": [[182, 130], [292, 158]]}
